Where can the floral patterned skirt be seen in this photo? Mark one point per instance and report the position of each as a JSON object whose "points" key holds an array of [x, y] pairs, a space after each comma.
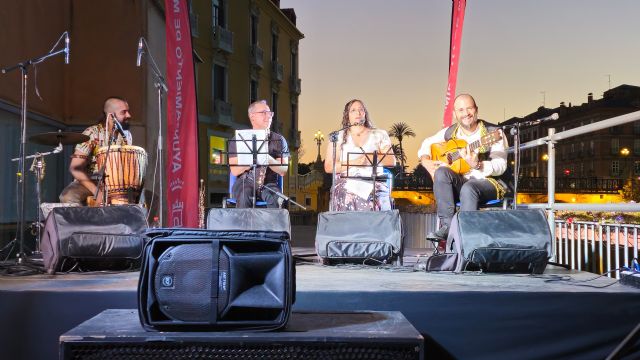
{"points": [[344, 198]]}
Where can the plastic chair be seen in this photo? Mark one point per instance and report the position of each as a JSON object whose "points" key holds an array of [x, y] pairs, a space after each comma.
{"points": [[259, 203]]}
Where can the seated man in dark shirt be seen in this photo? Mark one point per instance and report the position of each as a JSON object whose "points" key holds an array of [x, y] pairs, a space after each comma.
{"points": [[260, 116]]}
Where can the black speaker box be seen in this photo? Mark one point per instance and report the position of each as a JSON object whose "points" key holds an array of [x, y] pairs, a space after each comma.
{"points": [[194, 279], [517, 241], [93, 238], [345, 236]]}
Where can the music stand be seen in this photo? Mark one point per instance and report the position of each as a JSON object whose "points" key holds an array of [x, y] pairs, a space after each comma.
{"points": [[373, 161], [254, 152]]}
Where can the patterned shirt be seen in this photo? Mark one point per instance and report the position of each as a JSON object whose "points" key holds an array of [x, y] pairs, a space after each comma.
{"points": [[97, 139]]}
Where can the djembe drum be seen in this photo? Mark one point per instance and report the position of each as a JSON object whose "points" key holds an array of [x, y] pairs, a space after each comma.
{"points": [[125, 168]]}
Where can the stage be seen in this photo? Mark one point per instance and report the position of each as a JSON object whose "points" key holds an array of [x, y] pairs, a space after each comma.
{"points": [[559, 314]]}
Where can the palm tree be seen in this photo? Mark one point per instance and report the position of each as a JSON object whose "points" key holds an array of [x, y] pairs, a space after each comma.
{"points": [[399, 153], [400, 130]]}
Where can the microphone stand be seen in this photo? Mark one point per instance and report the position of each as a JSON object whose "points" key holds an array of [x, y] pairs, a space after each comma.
{"points": [[161, 88], [515, 132], [37, 167], [24, 70], [333, 137]]}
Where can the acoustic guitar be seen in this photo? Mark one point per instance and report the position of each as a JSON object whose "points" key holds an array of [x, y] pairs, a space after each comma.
{"points": [[448, 151]]}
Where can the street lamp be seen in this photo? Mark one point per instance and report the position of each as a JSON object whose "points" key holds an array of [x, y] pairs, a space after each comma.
{"points": [[319, 138]]}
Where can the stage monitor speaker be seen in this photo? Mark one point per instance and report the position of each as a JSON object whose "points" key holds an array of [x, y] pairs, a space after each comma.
{"points": [[93, 238], [249, 219], [517, 241], [355, 236], [194, 279]]}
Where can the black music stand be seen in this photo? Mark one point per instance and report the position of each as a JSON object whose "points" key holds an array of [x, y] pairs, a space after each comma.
{"points": [[257, 147], [374, 162]]}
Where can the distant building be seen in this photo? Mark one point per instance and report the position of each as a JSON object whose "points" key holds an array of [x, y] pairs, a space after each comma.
{"points": [[247, 51], [612, 153]]}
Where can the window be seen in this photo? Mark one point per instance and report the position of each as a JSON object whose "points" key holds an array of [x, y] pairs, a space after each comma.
{"points": [[217, 14], [636, 168], [294, 121], [636, 147], [307, 200], [253, 91], [592, 147], [254, 30], [274, 103], [216, 150], [636, 127], [274, 48], [294, 65], [615, 146], [615, 168], [219, 82]]}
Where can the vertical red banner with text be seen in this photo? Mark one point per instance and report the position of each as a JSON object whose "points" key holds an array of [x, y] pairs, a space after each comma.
{"points": [[182, 130], [457, 20]]}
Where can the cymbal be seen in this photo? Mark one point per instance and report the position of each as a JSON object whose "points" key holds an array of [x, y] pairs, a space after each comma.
{"points": [[58, 137]]}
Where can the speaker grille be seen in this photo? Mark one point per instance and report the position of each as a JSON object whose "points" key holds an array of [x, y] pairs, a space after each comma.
{"points": [[183, 282], [232, 352]]}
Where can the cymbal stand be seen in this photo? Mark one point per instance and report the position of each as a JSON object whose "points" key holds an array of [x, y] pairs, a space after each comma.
{"points": [[24, 67], [38, 168]]}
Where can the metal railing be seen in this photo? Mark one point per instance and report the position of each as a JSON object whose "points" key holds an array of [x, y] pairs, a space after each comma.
{"points": [[562, 248], [596, 247]]}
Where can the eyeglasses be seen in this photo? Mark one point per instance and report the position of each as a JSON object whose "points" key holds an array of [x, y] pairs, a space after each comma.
{"points": [[358, 111], [265, 112]]}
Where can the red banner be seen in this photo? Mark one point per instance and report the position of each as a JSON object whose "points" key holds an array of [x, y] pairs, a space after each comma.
{"points": [[457, 20], [182, 123]]}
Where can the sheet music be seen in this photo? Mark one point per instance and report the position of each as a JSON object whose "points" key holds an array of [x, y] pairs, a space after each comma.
{"points": [[244, 143]]}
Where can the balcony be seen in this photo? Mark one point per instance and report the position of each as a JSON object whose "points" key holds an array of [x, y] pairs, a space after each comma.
{"points": [[223, 39], [277, 71], [223, 112], [295, 85], [256, 56]]}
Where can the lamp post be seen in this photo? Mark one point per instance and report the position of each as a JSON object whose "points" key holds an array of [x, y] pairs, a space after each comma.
{"points": [[319, 138], [624, 152]]}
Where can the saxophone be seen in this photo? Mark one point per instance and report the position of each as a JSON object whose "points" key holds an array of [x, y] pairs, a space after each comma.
{"points": [[201, 207]]}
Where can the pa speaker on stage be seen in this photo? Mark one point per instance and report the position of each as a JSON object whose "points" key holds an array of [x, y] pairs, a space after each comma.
{"points": [[359, 235], [501, 241], [249, 219], [93, 238], [194, 279]]}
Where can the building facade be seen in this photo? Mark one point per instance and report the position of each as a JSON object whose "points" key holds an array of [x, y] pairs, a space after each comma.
{"points": [[608, 156], [247, 50]]}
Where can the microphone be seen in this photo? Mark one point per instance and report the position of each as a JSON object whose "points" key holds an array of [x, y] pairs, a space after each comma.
{"points": [[118, 126], [359, 123], [140, 51], [551, 117], [67, 48]]}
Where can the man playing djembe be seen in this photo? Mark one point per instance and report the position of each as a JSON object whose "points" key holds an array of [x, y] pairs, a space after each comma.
{"points": [[84, 165]]}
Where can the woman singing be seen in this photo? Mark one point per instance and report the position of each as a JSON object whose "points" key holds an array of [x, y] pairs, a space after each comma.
{"points": [[357, 143]]}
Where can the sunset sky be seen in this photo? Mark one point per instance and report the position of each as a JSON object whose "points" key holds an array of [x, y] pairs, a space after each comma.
{"points": [[516, 54]]}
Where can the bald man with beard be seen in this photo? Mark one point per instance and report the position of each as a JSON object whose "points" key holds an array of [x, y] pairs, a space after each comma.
{"points": [[83, 161], [483, 182]]}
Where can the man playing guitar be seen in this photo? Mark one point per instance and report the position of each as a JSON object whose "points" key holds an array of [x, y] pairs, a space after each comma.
{"points": [[465, 161]]}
